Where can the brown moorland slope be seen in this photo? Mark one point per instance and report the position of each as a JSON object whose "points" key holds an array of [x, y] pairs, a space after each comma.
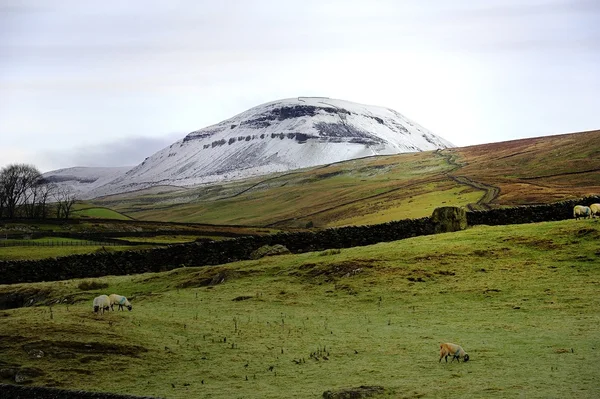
{"points": [[535, 170]]}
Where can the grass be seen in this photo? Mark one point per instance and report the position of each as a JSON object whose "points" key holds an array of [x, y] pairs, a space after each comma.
{"points": [[386, 188], [33, 253], [167, 239], [99, 213], [291, 200], [521, 299]]}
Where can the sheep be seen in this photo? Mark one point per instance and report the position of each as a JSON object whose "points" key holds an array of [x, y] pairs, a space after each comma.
{"points": [[119, 300], [582, 211], [595, 210], [101, 303], [456, 351]]}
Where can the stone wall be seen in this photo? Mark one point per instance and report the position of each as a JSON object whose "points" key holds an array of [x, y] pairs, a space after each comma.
{"points": [[27, 392], [219, 252], [204, 253], [529, 214]]}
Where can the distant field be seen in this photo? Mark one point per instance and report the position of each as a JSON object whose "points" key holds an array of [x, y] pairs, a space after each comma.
{"points": [[167, 239], [324, 196], [386, 188], [99, 213], [521, 299], [77, 226], [31, 253]]}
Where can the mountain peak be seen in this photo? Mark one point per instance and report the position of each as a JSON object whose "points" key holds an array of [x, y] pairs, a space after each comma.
{"points": [[276, 137]]}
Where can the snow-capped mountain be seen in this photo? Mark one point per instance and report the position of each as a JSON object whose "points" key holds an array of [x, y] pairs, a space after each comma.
{"points": [[81, 180], [276, 137]]}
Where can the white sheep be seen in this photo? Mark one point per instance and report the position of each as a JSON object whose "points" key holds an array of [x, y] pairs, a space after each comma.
{"points": [[119, 300], [595, 209], [582, 211], [101, 303]]}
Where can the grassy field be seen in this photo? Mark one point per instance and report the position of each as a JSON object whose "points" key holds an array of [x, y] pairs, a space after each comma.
{"points": [[522, 300], [326, 196], [98, 213], [43, 252], [386, 188], [168, 239], [160, 232]]}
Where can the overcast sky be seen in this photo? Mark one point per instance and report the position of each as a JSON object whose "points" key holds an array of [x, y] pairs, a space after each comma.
{"points": [[108, 83]]}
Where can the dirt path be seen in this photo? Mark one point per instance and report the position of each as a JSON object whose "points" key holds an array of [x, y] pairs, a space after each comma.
{"points": [[490, 193]]}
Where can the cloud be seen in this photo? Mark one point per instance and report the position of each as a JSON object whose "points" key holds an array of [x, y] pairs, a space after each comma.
{"points": [[129, 151]]}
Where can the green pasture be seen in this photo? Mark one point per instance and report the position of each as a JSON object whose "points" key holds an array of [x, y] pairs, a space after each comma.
{"points": [[522, 300], [99, 213], [43, 252], [167, 239]]}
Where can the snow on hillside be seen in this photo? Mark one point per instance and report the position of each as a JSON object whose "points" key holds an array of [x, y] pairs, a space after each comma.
{"points": [[80, 180], [276, 137]]}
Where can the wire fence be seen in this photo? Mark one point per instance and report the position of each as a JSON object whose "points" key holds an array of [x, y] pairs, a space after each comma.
{"points": [[50, 243]]}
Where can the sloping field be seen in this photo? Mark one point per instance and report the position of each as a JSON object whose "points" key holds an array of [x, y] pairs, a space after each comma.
{"points": [[537, 170], [381, 189], [521, 299], [370, 189]]}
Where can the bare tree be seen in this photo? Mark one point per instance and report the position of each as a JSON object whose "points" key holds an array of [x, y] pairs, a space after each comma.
{"points": [[17, 182], [46, 190], [65, 198], [2, 197]]}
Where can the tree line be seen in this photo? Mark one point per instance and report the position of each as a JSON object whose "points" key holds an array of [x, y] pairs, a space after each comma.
{"points": [[25, 193]]}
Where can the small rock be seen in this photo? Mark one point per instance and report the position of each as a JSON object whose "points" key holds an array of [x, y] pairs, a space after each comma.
{"points": [[26, 375], [36, 353]]}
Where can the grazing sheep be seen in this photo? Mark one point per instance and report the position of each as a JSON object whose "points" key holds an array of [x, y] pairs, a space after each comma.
{"points": [[456, 351], [582, 211], [119, 300], [101, 303], [595, 210]]}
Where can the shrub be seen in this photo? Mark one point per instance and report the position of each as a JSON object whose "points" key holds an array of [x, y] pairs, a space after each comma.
{"points": [[268, 250], [328, 252], [92, 285]]}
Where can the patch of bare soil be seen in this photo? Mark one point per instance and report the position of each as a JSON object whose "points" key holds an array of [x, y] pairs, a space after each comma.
{"points": [[71, 349], [440, 258], [23, 297], [419, 276], [587, 233], [212, 276], [333, 271], [354, 393], [539, 243]]}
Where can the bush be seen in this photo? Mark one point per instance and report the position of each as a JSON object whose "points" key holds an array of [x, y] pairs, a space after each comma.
{"points": [[92, 285], [269, 250], [328, 252]]}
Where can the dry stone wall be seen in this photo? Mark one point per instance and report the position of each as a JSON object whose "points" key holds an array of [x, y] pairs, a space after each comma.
{"points": [[8, 391], [219, 252], [529, 214], [204, 253]]}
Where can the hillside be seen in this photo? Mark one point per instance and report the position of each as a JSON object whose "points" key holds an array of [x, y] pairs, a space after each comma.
{"points": [[80, 180], [524, 307], [384, 188], [278, 136]]}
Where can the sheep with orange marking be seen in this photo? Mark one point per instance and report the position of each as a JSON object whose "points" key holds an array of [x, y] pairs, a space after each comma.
{"points": [[119, 300], [456, 351], [101, 303], [582, 211]]}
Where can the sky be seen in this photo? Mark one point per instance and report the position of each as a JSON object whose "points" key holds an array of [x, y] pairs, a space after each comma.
{"points": [[109, 83]]}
